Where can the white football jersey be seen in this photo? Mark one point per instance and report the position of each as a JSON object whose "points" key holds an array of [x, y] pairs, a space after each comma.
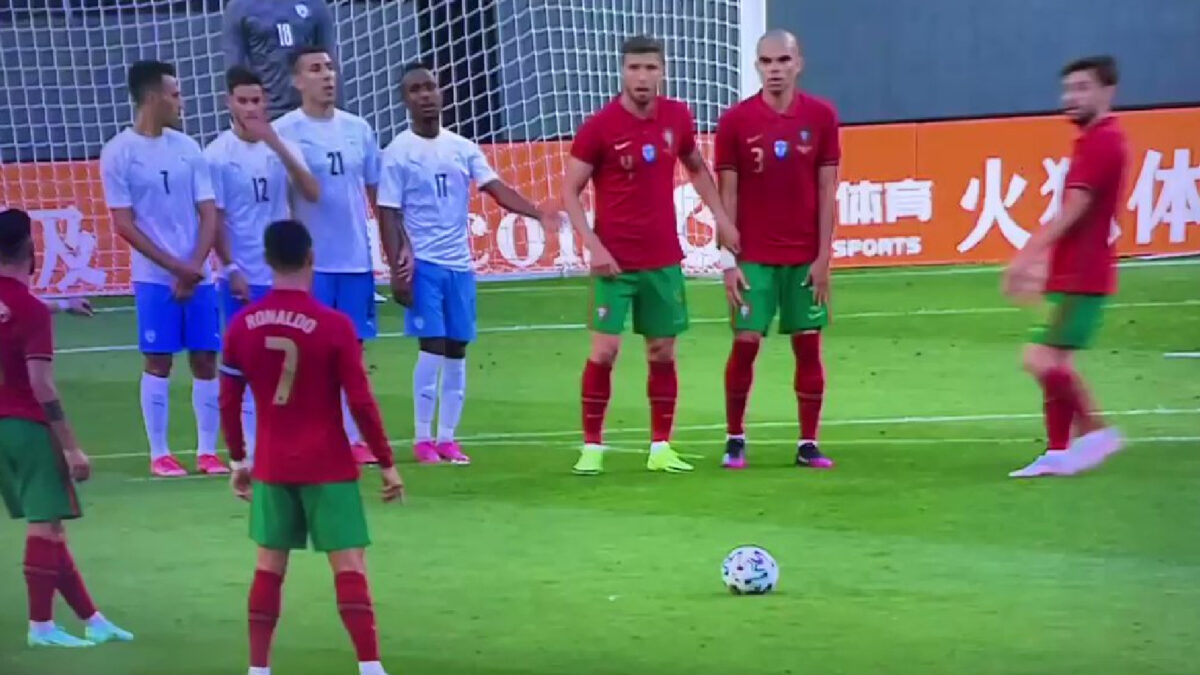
{"points": [[429, 181], [162, 179], [344, 156], [251, 188]]}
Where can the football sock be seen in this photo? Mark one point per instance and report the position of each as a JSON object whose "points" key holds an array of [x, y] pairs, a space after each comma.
{"points": [[1086, 418], [71, 587], [1058, 407], [205, 404], [156, 413], [259, 671], [596, 390], [266, 598], [454, 390], [41, 577], [809, 382], [249, 425], [662, 387], [425, 385], [371, 668], [358, 615], [348, 424], [739, 375]]}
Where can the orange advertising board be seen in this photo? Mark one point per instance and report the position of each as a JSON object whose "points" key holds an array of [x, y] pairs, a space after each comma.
{"points": [[909, 194]]}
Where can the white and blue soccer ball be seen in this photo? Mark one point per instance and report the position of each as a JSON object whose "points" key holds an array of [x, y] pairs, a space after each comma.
{"points": [[749, 570]]}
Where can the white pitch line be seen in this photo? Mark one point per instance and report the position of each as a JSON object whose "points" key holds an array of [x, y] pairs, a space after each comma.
{"points": [[521, 328], [520, 438], [1182, 355]]}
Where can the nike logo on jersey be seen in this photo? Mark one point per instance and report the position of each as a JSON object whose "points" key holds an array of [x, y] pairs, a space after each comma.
{"points": [[622, 146], [754, 139]]}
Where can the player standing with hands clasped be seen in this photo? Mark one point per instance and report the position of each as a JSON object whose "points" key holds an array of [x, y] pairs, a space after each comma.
{"points": [[1082, 274], [628, 151], [297, 356], [424, 193], [777, 164], [252, 169]]}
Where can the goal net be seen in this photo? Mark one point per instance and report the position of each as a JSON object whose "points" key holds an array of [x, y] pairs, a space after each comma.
{"points": [[518, 77]]}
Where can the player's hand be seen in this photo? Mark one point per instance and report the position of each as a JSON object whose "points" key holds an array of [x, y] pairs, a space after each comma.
{"points": [[735, 283], [182, 290], [818, 279], [259, 128], [79, 307], [393, 485], [238, 286], [603, 264], [239, 482], [187, 271], [1025, 276], [78, 464]]}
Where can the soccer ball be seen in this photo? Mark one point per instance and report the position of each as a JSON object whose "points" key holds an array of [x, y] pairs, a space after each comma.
{"points": [[749, 570]]}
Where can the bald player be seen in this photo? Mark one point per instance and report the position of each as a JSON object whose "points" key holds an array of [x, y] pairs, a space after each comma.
{"points": [[777, 157]]}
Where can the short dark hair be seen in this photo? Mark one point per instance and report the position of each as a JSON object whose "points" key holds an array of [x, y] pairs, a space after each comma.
{"points": [[241, 76], [145, 76], [16, 236], [414, 66], [305, 51], [1104, 67], [642, 44], [287, 244]]}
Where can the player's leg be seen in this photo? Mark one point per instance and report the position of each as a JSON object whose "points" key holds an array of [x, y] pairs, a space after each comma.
{"points": [[609, 304], [160, 336], [750, 322], [426, 321], [356, 299], [659, 316], [338, 525], [202, 338], [803, 318], [278, 524], [230, 307], [264, 606], [459, 309]]}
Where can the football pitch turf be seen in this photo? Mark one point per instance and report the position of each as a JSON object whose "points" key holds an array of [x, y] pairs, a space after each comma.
{"points": [[916, 555]]}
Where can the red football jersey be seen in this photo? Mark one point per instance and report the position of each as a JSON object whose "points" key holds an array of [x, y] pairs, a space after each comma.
{"points": [[633, 175], [26, 333], [777, 157], [297, 356], [1083, 260]]}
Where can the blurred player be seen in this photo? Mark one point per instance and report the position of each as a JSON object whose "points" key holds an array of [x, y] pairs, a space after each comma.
{"points": [[424, 192], [39, 456], [1082, 273], [159, 189], [265, 36], [252, 169], [297, 356], [777, 164], [341, 151], [628, 151]]}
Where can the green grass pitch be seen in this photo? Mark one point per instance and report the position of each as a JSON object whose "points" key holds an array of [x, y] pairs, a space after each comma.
{"points": [[915, 556]]}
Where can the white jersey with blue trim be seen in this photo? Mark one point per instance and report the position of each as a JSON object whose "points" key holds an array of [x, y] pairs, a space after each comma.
{"points": [[161, 179], [429, 181], [341, 151], [250, 183]]}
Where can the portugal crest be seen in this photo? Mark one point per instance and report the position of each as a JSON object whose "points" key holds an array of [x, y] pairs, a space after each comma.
{"points": [[781, 148], [301, 10], [648, 153], [805, 136]]}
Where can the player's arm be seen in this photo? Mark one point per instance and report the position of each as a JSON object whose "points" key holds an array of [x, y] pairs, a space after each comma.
{"points": [[39, 364], [74, 306], [233, 389], [725, 145], [123, 221], [702, 180], [206, 208], [511, 200], [306, 184], [397, 247], [575, 179], [393, 237], [365, 411], [1076, 202]]}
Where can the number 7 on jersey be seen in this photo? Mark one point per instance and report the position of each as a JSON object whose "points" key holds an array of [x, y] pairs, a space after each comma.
{"points": [[287, 374]]}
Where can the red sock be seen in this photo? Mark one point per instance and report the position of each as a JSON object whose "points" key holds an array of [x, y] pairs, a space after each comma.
{"points": [[739, 375], [1086, 418], [809, 382], [71, 586], [41, 577], [1065, 401], [662, 387], [596, 390], [354, 605], [266, 599]]}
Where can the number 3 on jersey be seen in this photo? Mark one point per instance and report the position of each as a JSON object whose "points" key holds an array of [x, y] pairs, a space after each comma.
{"points": [[287, 374]]}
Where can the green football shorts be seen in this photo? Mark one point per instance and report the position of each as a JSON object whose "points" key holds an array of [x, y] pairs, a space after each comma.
{"points": [[1070, 321], [34, 481], [285, 517], [782, 289], [656, 297]]}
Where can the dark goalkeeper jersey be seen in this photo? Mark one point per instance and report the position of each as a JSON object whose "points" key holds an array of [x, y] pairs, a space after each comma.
{"points": [[263, 34]]}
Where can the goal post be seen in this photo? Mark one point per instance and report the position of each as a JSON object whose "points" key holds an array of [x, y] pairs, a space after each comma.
{"points": [[518, 76]]}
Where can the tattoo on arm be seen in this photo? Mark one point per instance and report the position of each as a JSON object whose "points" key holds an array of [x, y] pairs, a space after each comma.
{"points": [[54, 411]]}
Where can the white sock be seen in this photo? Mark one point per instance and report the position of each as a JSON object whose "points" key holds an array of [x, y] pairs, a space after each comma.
{"points": [[659, 446], [425, 384], [41, 626], [735, 437], [206, 405], [156, 413], [249, 425], [260, 671], [348, 424], [454, 393], [96, 620], [368, 668]]}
